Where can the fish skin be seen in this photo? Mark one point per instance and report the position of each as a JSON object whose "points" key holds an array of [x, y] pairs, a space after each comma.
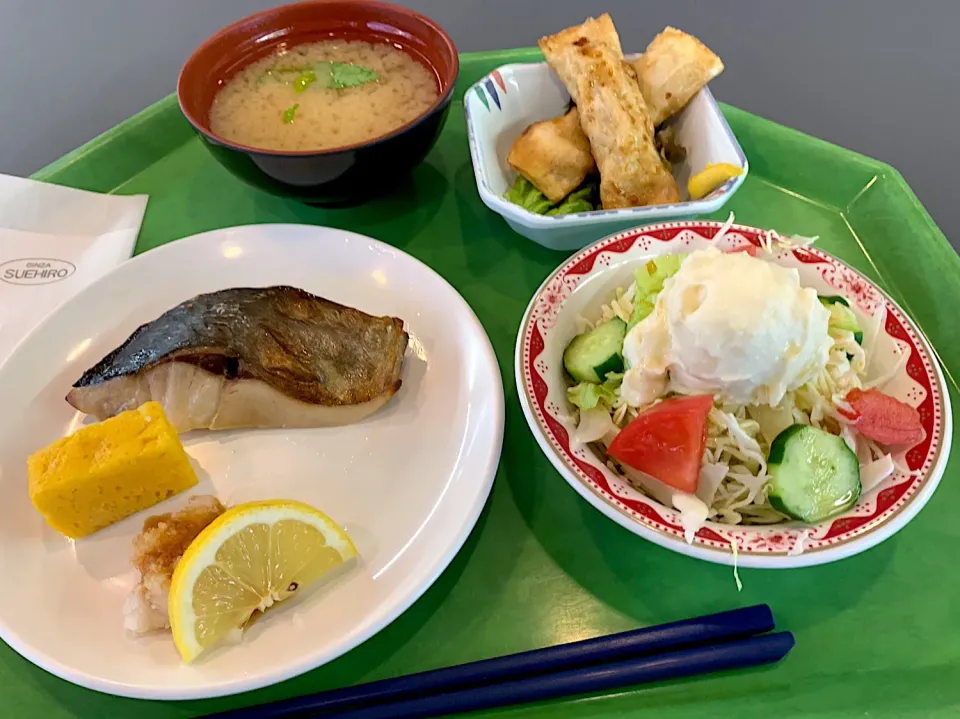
{"points": [[307, 348]]}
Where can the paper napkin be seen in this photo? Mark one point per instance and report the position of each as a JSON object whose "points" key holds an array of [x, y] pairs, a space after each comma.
{"points": [[53, 242]]}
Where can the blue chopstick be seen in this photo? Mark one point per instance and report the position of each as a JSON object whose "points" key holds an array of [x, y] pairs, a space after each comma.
{"points": [[710, 629], [736, 654]]}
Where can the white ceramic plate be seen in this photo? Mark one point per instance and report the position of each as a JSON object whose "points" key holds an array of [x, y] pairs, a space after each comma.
{"points": [[504, 103], [408, 483], [588, 279]]}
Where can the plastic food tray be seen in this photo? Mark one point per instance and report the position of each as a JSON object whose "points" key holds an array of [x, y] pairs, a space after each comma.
{"points": [[877, 635]]}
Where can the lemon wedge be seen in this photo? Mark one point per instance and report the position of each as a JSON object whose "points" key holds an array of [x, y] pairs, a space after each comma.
{"points": [[251, 557], [710, 178]]}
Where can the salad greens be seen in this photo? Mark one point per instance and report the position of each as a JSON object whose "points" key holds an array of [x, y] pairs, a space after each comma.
{"points": [[588, 395], [798, 459], [585, 198], [842, 317], [649, 280]]}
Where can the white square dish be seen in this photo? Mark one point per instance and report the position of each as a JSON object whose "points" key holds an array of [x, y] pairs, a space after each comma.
{"points": [[502, 104]]}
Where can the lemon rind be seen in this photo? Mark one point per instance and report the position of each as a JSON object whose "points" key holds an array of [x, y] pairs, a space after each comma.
{"points": [[202, 552]]}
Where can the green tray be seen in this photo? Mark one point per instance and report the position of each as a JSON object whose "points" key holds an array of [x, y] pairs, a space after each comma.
{"points": [[877, 635]]}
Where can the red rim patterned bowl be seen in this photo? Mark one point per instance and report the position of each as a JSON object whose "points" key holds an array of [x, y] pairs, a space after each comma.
{"points": [[588, 279]]}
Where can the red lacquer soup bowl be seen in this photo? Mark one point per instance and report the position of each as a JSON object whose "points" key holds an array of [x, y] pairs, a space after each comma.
{"points": [[347, 174]]}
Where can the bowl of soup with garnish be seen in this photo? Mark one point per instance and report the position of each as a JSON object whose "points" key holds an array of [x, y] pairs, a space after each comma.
{"points": [[329, 101]]}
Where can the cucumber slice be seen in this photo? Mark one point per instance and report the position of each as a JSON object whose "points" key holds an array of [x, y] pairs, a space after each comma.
{"points": [[813, 474], [842, 317], [828, 300], [591, 355]]}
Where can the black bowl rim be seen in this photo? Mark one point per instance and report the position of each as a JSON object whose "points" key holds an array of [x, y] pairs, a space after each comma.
{"points": [[439, 105]]}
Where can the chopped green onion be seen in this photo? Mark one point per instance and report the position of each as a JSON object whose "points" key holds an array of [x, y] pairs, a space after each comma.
{"points": [[304, 80], [289, 113]]}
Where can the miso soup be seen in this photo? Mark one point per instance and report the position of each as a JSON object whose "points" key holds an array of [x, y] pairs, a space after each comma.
{"points": [[323, 95]]}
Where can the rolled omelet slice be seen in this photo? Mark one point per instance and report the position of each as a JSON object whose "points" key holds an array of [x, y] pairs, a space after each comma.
{"points": [[105, 472], [613, 114]]}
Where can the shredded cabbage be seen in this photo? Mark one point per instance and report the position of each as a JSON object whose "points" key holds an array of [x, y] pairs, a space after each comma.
{"points": [[734, 481], [797, 548], [770, 240], [711, 477], [873, 473], [693, 513], [594, 425], [724, 228], [736, 568]]}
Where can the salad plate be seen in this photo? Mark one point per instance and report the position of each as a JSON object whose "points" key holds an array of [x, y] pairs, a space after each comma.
{"points": [[407, 503], [898, 360]]}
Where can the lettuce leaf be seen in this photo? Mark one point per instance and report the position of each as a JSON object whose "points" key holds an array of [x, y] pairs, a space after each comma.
{"points": [[524, 194], [649, 280], [588, 395], [584, 199]]}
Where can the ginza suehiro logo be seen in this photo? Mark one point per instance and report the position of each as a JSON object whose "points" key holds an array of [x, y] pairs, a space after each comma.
{"points": [[35, 271]]}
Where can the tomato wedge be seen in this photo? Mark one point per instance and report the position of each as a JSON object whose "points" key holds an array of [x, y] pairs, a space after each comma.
{"points": [[884, 419], [667, 441]]}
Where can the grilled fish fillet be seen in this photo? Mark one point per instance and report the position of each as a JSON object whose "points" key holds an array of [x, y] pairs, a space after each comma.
{"points": [[613, 114], [156, 552], [251, 357]]}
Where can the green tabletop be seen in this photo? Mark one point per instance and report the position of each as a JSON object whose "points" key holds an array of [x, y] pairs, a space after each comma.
{"points": [[878, 635]]}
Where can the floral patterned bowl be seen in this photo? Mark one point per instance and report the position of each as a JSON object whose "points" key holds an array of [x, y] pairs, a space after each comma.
{"points": [[510, 98], [588, 279]]}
